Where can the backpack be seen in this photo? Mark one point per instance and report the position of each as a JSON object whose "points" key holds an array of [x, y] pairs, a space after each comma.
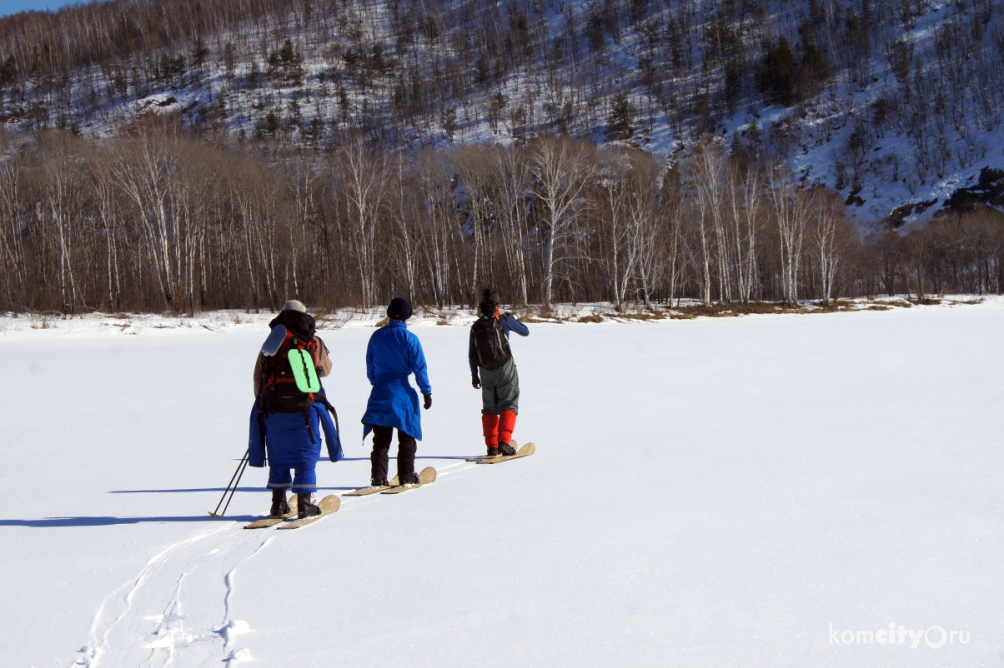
{"points": [[289, 376], [490, 343]]}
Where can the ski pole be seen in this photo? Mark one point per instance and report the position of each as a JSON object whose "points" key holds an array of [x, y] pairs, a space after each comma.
{"points": [[235, 477], [245, 465]]}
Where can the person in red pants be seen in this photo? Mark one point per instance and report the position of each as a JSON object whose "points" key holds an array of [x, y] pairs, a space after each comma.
{"points": [[493, 371]]}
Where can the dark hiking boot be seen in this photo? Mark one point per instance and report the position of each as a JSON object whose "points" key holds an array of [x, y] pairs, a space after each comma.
{"points": [[379, 482], [493, 452], [410, 479], [305, 507], [506, 449], [279, 505]]}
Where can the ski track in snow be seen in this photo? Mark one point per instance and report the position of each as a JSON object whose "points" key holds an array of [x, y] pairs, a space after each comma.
{"points": [[146, 623]]}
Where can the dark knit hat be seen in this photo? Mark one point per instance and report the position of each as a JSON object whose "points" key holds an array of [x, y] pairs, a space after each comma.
{"points": [[399, 309], [489, 301]]}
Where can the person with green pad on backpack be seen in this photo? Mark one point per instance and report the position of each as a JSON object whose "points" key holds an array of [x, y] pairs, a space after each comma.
{"points": [[291, 409], [493, 371]]}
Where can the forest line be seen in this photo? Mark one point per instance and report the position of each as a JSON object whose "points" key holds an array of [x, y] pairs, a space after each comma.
{"points": [[158, 222]]}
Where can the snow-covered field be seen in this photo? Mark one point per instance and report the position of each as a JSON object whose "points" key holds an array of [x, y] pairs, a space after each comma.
{"points": [[816, 490]]}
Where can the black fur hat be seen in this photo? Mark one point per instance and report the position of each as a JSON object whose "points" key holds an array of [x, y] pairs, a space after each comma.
{"points": [[399, 309], [489, 301], [301, 324]]}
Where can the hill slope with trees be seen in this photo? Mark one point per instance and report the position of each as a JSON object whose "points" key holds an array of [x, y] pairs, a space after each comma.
{"points": [[189, 154]]}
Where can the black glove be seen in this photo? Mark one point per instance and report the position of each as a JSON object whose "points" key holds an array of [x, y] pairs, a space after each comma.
{"points": [[428, 401], [476, 383]]}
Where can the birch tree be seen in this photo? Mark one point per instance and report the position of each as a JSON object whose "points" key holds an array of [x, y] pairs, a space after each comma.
{"points": [[109, 219], [745, 203], [829, 237], [646, 240], [706, 172], [628, 193], [473, 169], [13, 217], [303, 177], [364, 174], [402, 242], [143, 168], [438, 230], [513, 190], [562, 168], [62, 201], [791, 209], [614, 194]]}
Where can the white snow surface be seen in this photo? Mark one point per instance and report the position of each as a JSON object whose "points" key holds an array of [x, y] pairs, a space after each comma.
{"points": [[784, 490]]}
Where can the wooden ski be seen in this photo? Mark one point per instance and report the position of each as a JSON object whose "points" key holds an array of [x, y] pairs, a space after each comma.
{"points": [[525, 451], [363, 491], [481, 458], [427, 475], [328, 505], [266, 522]]}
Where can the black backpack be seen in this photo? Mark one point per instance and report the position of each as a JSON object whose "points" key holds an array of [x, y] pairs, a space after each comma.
{"points": [[490, 343]]}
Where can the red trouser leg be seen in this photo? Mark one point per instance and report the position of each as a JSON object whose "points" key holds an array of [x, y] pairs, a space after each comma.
{"points": [[490, 426], [507, 422]]}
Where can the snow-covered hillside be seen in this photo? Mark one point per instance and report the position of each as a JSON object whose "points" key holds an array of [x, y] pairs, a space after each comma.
{"points": [[816, 490], [895, 105]]}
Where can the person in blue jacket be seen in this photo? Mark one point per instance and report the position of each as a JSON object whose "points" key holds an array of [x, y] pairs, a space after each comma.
{"points": [[289, 437], [393, 354]]}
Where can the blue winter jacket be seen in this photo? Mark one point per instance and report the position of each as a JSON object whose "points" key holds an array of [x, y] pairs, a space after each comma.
{"points": [[393, 354], [290, 443]]}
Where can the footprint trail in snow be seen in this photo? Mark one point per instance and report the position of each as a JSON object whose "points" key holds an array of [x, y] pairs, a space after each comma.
{"points": [[177, 610]]}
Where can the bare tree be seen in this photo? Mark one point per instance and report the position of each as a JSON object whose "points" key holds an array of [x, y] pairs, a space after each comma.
{"points": [[438, 227], [15, 259], [562, 169], [253, 194], [62, 201], [627, 191], [513, 192], [646, 238], [402, 237], [142, 169], [302, 179], [829, 236], [791, 208], [707, 170], [109, 218], [614, 196], [365, 177], [663, 259], [745, 195], [474, 171]]}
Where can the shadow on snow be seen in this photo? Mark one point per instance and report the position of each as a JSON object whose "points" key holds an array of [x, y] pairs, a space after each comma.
{"points": [[61, 522]]}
